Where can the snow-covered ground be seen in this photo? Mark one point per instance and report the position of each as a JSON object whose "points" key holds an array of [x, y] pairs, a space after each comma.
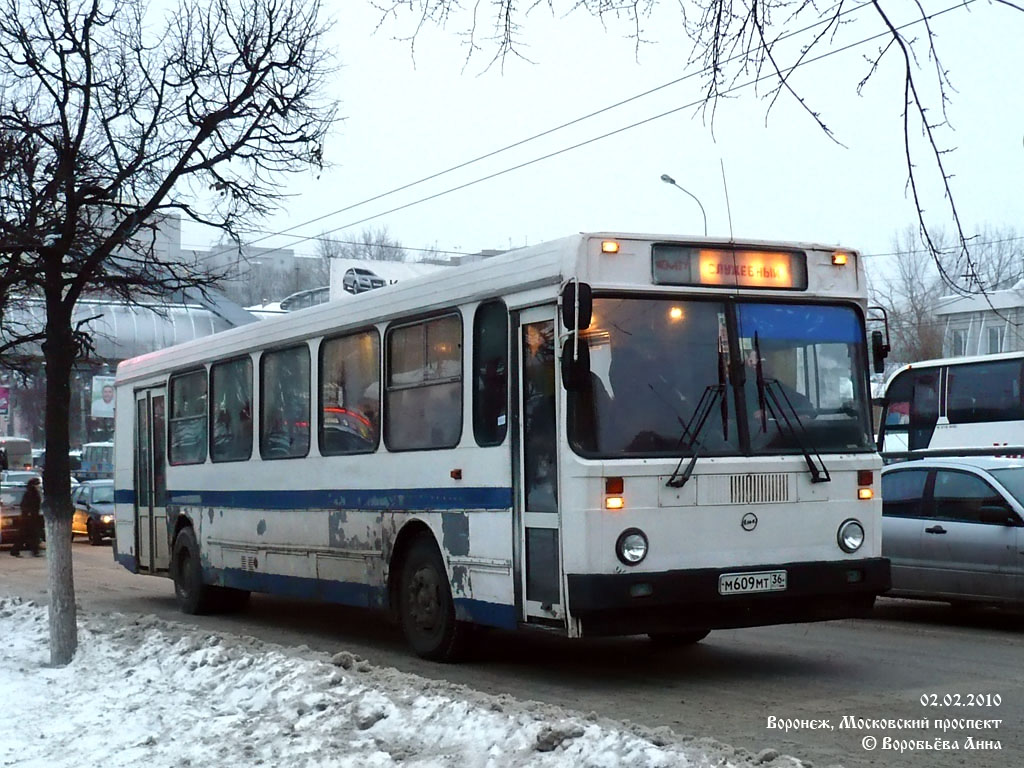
{"points": [[142, 691]]}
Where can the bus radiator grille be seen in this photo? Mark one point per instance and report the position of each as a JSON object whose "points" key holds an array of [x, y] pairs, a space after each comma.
{"points": [[768, 488], [748, 488]]}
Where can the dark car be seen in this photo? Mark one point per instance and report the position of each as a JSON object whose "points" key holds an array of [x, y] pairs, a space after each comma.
{"points": [[11, 521], [953, 529], [94, 510], [357, 280]]}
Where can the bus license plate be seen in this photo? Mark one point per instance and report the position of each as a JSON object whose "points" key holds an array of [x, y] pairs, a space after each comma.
{"points": [[758, 581]]}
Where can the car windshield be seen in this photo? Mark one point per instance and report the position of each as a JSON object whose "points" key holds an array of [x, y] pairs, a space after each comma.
{"points": [[1012, 479], [103, 494], [654, 360]]}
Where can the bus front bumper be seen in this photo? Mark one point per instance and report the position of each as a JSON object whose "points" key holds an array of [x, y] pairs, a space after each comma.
{"points": [[675, 601]]}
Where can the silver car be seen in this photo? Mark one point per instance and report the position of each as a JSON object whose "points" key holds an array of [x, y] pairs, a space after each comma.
{"points": [[357, 280], [954, 529]]}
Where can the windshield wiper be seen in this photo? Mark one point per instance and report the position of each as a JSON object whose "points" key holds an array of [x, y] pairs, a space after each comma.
{"points": [[712, 392], [771, 392]]}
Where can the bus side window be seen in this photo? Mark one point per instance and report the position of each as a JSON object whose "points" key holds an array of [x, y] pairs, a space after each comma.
{"points": [[284, 403], [423, 396], [490, 373], [231, 395], [188, 417]]}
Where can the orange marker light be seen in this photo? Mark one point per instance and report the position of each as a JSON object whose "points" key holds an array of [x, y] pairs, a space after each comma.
{"points": [[839, 258], [614, 502], [609, 246], [865, 494]]}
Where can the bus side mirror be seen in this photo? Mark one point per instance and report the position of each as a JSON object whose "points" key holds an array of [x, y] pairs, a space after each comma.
{"points": [[586, 305], [879, 351], [575, 372]]}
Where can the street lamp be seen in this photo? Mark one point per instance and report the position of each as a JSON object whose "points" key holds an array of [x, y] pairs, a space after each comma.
{"points": [[669, 180]]}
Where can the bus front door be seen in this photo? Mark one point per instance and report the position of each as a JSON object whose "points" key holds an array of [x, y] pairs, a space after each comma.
{"points": [[151, 543], [538, 545]]}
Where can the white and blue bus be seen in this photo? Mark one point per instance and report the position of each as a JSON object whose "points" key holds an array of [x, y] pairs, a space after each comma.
{"points": [[955, 406], [607, 434]]}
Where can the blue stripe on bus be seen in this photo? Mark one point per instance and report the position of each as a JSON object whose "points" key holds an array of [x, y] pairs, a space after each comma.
{"points": [[351, 593], [372, 499]]}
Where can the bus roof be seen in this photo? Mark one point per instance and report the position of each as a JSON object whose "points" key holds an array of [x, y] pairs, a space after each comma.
{"points": [[535, 272]]}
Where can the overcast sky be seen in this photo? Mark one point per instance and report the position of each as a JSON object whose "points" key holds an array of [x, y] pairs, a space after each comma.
{"points": [[406, 119]]}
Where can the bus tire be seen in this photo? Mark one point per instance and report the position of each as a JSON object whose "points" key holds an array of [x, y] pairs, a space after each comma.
{"points": [[425, 606], [677, 639], [193, 596]]}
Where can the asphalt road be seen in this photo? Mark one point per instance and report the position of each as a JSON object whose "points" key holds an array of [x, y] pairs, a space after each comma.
{"points": [[727, 687]]}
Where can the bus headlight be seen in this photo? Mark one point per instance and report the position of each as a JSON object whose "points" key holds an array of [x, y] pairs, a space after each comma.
{"points": [[851, 535], [631, 547]]}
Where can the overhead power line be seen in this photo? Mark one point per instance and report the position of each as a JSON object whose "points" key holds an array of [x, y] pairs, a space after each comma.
{"points": [[690, 105], [521, 142]]}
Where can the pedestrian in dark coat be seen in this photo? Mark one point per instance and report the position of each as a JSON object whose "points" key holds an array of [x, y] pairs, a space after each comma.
{"points": [[32, 518]]}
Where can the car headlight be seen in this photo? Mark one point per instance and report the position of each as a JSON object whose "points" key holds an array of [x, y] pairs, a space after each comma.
{"points": [[631, 547], [107, 518], [851, 535]]}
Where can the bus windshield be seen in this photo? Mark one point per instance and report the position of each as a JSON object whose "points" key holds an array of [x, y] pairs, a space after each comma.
{"points": [[798, 377]]}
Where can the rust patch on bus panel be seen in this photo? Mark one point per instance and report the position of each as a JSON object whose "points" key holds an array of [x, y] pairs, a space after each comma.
{"points": [[455, 532], [462, 585], [342, 536], [261, 527], [209, 513]]}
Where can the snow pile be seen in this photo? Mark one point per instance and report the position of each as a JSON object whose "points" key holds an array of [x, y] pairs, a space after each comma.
{"points": [[142, 691]]}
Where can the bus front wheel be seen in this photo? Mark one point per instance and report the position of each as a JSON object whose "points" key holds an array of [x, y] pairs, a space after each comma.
{"points": [[425, 606]]}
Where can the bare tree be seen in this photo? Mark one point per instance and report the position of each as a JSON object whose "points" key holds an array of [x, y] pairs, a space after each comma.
{"points": [[372, 245], [113, 120], [909, 291], [911, 288], [737, 43]]}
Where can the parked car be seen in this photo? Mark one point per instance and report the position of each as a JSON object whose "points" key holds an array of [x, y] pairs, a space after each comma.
{"points": [[357, 280], [93, 501], [954, 529]]}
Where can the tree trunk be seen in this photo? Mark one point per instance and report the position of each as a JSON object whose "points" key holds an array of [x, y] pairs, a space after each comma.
{"points": [[63, 616], [59, 352]]}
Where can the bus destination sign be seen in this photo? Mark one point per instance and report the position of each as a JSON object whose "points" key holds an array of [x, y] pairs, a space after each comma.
{"points": [[721, 267]]}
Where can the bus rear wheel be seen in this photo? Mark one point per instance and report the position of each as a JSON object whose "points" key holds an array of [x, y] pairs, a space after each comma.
{"points": [[425, 606], [677, 639], [193, 596]]}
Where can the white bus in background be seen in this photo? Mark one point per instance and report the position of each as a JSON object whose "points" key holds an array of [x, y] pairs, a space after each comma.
{"points": [[955, 406], [18, 452], [604, 434]]}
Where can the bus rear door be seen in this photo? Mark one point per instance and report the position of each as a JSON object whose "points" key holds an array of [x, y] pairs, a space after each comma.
{"points": [[151, 540]]}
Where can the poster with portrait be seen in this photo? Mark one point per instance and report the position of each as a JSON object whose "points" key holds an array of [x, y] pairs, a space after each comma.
{"points": [[102, 397]]}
